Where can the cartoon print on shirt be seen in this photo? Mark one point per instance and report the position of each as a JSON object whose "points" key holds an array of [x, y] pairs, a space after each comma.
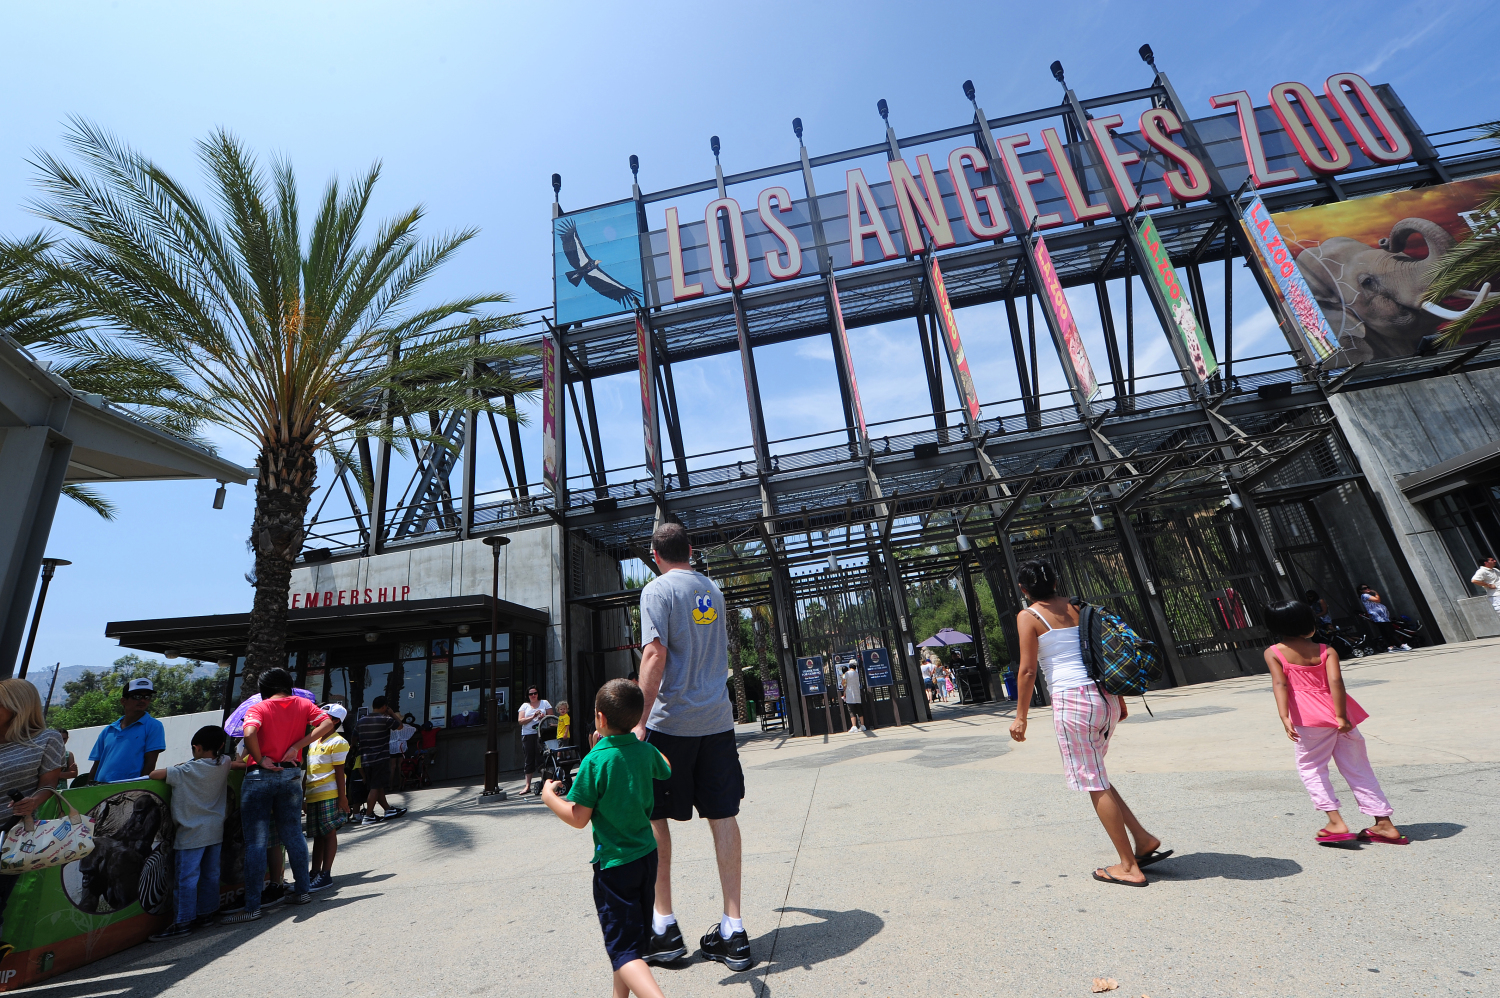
{"points": [[704, 612]]}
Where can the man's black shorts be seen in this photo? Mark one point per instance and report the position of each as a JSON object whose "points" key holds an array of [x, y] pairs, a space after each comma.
{"points": [[531, 753], [377, 774], [623, 896], [857, 709], [706, 774]]}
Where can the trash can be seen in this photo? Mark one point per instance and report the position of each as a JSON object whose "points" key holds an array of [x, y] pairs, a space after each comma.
{"points": [[749, 711]]}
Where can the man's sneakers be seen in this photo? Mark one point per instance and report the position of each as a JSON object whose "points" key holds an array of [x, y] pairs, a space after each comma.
{"points": [[320, 882], [733, 952], [300, 899], [667, 946], [394, 812], [174, 931]]}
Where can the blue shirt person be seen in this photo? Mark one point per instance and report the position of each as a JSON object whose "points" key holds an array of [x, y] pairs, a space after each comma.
{"points": [[127, 749]]}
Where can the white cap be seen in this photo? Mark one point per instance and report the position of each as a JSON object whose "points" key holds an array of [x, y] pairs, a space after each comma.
{"points": [[337, 711], [141, 683]]}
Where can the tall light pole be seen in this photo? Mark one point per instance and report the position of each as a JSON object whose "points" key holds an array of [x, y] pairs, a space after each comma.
{"points": [[49, 567], [492, 746]]}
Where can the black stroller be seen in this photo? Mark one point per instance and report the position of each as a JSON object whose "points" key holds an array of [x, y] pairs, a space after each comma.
{"points": [[1349, 642], [559, 760]]}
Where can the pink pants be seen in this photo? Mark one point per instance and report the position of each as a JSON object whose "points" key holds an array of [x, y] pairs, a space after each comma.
{"points": [[1316, 746]]}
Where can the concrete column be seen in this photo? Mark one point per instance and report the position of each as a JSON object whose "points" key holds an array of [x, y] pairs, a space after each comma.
{"points": [[34, 460]]}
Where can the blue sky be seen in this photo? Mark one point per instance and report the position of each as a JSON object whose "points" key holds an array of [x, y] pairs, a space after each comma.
{"points": [[471, 107]]}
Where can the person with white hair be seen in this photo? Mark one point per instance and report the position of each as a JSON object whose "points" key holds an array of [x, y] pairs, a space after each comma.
{"points": [[31, 761]]}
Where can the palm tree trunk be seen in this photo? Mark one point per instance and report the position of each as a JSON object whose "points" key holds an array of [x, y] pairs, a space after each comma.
{"points": [[760, 642], [288, 469], [732, 625]]}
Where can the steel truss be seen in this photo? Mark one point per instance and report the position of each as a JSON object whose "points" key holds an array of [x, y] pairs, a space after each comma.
{"points": [[1156, 461]]}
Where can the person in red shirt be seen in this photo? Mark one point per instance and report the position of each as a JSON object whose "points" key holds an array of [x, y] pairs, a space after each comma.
{"points": [[276, 731]]}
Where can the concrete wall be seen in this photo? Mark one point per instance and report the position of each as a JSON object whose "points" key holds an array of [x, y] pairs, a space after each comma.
{"points": [[530, 575], [1398, 430], [180, 731]]}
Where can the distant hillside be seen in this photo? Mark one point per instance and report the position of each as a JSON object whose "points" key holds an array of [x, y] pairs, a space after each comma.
{"points": [[41, 677]]}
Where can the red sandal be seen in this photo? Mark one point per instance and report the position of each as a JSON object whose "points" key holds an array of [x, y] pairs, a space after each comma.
{"points": [[1368, 836]]}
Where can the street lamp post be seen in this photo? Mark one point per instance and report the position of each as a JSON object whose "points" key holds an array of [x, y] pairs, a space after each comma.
{"points": [[49, 567], [492, 747]]}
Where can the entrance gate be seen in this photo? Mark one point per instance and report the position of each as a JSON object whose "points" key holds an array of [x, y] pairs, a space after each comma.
{"points": [[839, 614]]}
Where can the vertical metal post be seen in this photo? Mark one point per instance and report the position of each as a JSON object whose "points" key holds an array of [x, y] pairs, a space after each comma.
{"points": [[1228, 310], [471, 440], [382, 475], [1130, 321], [49, 568]]}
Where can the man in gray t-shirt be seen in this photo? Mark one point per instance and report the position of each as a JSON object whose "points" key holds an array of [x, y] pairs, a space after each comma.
{"points": [[688, 717]]}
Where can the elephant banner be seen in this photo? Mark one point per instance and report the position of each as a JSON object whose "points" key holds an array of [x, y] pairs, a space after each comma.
{"points": [[1369, 263]]}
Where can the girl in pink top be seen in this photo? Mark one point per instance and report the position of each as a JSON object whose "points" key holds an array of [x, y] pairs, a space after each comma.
{"points": [[1320, 718]]}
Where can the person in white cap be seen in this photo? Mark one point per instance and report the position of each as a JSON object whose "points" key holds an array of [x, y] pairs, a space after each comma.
{"points": [[127, 749], [325, 798]]}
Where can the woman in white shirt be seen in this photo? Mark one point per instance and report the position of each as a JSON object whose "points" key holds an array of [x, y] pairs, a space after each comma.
{"points": [[1083, 717]]}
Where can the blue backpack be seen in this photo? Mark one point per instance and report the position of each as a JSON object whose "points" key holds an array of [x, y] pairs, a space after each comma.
{"points": [[1120, 661]]}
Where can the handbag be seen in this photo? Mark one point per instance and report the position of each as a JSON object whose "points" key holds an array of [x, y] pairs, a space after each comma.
{"points": [[38, 844]]}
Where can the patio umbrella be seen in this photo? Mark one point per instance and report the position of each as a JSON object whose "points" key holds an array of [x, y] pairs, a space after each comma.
{"points": [[235, 726], [946, 636]]}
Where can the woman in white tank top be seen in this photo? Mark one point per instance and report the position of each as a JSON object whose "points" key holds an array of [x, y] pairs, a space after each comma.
{"points": [[1082, 715]]}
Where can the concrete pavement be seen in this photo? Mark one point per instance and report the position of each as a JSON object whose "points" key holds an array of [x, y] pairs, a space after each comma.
{"points": [[943, 859]]}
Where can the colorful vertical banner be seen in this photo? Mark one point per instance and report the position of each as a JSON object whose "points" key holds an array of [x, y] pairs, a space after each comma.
{"points": [[551, 403], [648, 401], [1277, 261], [1055, 301], [1177, 303], [956, 358], [843, 337]]}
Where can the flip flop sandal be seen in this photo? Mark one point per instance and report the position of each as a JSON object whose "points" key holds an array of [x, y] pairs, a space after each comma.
{"points": [[1326, 838], [1107, 879], [1154, 856], [1369, 836]]}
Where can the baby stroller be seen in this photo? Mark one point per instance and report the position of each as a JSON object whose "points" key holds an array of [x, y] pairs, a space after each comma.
{"points": [[558, 760], [1406, 629], [1348, 642]]}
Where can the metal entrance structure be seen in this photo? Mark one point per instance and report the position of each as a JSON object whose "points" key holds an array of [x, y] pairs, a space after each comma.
{"points": [[1185, 506]]}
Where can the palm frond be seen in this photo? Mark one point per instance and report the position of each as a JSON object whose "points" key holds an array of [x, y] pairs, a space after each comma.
{"points": [[1469, 265], [91, 499]]}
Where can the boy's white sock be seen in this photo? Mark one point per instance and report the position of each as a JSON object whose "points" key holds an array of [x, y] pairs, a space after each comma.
{"points": [[659, 922], [729, 926]]}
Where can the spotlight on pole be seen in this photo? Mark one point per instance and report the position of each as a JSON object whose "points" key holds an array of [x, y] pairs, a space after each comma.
{"points": [[1147, 56], [49, 568], [713, 143], [635, 166], [797, 127], [1235, 501], [969, 91], [1097, 521], [884, 109], [219, 496], [556, 185], [1057, 71], [833, 562], [964, 544]]}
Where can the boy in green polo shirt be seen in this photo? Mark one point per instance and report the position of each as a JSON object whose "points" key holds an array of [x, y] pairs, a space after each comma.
{"points": [[614, 789]]}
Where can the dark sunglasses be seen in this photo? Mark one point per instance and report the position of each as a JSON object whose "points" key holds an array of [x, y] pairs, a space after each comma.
{"points": [[140, 695]]}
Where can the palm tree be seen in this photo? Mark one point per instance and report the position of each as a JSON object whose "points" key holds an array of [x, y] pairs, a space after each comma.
{"points": [[298, 341], [732, 627], [35, 314], [1472, 262]]}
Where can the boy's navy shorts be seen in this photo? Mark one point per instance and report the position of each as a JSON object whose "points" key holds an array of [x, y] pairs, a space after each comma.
{"points": [[706, 774], [623, 896]]}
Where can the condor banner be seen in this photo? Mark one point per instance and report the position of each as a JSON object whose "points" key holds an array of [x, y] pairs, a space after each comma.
{"points": [[1368, 264], [1174, 299], [596, 262]]}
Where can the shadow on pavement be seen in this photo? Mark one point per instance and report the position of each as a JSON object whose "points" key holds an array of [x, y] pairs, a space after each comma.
{"points": [[1427, 830], [838, 934], [937, 755], [1229, 866]]}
